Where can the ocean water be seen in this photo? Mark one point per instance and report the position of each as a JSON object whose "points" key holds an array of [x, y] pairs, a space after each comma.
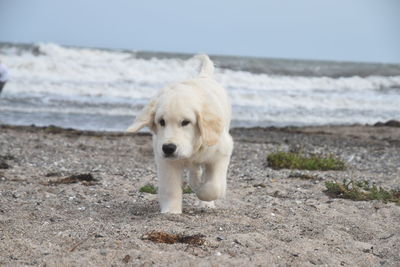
{"points": [[98, 89]]}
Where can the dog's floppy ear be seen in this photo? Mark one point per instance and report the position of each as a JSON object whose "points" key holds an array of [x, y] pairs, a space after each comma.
{"points": [[145, 118], [210, 125]]}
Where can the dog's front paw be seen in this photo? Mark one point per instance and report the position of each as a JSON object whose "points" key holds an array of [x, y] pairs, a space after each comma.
{"points": [[209, 191], [171, 210]]}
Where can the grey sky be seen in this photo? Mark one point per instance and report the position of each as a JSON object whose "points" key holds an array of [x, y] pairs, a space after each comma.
{"points": [[351, 30]]}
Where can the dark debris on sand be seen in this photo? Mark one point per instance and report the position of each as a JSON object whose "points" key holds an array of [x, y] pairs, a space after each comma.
{"points": [[3, 164], [85, 178], [167, 238]]}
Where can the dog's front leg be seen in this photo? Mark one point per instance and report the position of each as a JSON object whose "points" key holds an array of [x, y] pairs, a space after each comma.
{"points": [[213, 180], [195, 173], [196, 183], [169, 186]]}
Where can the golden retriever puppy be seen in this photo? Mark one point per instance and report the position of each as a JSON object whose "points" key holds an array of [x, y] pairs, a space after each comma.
{"points": [[190, 126]]}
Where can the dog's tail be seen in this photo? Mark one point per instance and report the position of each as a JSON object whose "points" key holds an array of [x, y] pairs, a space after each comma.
{"points": [[207, 66]]}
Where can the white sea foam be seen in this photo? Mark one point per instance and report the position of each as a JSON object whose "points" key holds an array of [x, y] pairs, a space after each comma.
{"points": [[80, 81]]}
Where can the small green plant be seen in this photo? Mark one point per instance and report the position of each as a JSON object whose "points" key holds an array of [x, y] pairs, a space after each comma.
{"points": [[187, 190], [290, 160], [361, 190], [148, 188]]}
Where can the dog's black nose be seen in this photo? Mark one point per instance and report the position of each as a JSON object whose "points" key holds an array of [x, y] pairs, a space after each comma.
{"points": [[169, 149]]}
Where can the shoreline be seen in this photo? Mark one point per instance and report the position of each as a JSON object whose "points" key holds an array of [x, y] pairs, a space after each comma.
{"points": [[388, 131], [267, 218], [390, 123]]}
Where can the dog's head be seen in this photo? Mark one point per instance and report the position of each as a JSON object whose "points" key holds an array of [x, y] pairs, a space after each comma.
{"points": [[182, 120]]}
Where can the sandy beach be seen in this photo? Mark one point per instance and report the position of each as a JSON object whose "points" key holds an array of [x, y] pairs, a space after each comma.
{"points": [[268, 218]]}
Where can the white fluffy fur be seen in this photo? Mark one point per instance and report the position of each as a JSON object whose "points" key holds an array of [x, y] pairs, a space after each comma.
{"points": [[203, 146]]}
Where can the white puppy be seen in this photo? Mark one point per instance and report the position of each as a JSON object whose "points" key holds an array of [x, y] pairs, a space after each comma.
{"points": [[190, 126]]}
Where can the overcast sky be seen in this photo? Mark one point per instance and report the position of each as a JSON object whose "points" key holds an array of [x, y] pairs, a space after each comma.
{"points": [[351, 30]]}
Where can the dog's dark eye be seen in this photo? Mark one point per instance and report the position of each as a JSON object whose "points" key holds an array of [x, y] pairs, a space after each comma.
{"points": [[185, 122], [162, 122]]}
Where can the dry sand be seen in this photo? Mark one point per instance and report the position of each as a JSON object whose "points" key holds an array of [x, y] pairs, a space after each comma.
{"points": [[266, 219]]}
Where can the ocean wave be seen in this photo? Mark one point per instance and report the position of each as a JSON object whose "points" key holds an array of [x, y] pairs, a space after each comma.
{"points": [[94, 72], [46, 77], [240, 79]]}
